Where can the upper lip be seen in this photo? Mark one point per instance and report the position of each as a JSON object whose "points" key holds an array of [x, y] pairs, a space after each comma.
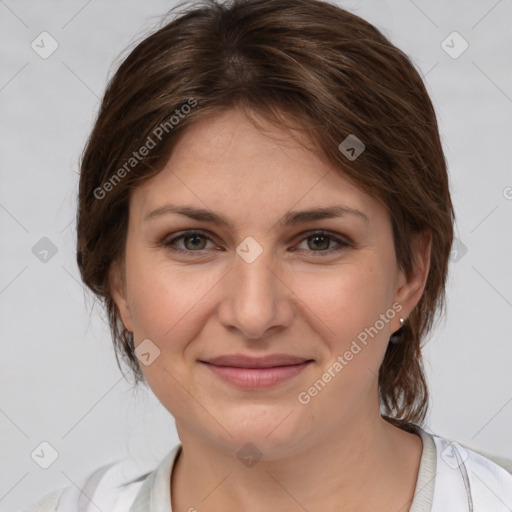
{"points": [[243, 361]]}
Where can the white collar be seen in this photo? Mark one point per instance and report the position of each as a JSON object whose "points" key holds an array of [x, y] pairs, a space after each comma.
{"points": [[450, 478]]}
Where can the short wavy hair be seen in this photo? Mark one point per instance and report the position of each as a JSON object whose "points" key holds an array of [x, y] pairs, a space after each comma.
{"points": [[310, 60]]}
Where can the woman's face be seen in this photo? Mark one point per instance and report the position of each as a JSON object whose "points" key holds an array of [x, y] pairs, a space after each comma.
{"points": [[259, 279]]}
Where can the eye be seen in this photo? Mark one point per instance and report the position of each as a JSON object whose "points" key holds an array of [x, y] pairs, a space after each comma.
{"points": [[193, 241], [319, 242]]}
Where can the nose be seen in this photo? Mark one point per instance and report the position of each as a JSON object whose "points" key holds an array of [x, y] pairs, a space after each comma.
{"points": [[256, 298]]}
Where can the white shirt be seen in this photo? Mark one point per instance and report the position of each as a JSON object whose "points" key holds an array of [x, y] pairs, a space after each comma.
{"points": [[451, 478]]}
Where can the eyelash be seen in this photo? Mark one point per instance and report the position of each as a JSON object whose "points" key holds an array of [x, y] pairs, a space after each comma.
{"points": [[342, 244]]}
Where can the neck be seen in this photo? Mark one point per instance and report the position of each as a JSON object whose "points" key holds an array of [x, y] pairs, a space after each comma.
{"points": [[370, 464]]}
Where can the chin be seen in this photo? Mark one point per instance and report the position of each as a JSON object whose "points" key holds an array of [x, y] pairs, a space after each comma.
{"points": [[273, 430]]}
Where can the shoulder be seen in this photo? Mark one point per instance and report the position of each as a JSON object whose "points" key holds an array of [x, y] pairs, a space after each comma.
{"points": [[478, 482], [47, 503], [106, 488], [114, 487]]}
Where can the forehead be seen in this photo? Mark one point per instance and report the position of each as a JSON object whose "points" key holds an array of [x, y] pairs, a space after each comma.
{"points": [[226, 162]]}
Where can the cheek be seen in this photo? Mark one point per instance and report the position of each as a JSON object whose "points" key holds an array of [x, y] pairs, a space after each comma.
{"points": [[170, 303], [167, 301], [348, 306], [168, 307], [348, 299]]}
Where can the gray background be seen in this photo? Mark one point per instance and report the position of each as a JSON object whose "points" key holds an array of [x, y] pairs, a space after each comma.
{"points": [[59, 382]]}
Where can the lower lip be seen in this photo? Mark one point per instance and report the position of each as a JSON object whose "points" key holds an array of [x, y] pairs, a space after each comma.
{"points": [[251, 378]]}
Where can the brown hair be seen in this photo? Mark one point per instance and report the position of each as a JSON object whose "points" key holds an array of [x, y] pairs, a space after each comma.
{"points": [[329, 69]]}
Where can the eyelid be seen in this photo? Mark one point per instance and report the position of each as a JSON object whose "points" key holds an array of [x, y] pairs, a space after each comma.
{"points": [[182, 234], [342, 241]]}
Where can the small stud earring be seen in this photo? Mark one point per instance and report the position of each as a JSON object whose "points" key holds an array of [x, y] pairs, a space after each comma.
{"points": [[397, 336]]}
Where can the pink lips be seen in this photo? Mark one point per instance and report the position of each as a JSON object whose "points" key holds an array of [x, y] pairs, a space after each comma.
{"points": [[256, 372]]}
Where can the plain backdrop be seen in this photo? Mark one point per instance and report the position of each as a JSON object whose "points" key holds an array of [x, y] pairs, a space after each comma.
{"points": [[59, 382]]}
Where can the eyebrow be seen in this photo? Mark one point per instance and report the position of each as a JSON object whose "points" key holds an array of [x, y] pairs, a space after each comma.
{"points": [[290, 219]]}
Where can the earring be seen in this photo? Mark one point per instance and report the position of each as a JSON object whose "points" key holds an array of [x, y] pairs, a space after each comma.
{"points": [[397, 335]]}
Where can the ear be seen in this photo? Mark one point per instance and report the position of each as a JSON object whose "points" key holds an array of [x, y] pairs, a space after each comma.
{"points": [[118, 290], [409, 288]]}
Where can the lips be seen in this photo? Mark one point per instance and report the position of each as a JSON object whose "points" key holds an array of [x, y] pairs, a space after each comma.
{"points": [[269, 361], [256, 372]]}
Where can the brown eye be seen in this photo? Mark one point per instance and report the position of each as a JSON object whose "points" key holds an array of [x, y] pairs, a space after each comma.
{"points": [[323, 243], [187, 242], [192, 242], [319, 243]]}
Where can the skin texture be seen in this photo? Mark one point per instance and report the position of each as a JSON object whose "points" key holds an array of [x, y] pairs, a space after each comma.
{"points": [[298, 297]]}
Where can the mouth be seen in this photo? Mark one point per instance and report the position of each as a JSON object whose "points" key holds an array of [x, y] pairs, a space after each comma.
{"points": [[256, 372]]}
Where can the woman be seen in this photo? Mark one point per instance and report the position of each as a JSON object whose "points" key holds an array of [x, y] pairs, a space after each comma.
{"points": [[264, 210]]}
